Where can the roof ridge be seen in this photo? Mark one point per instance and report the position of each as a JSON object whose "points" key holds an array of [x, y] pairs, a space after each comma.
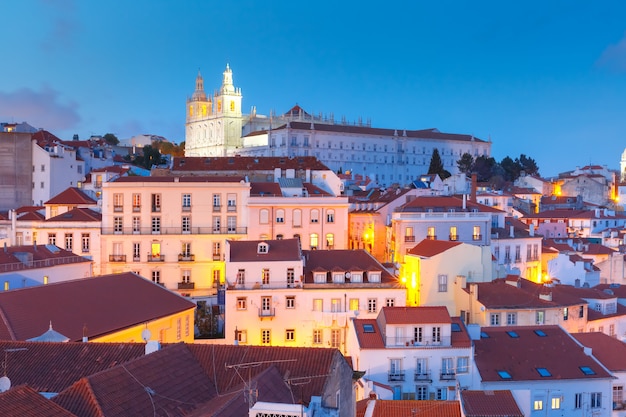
{"points": [[6, 323]]}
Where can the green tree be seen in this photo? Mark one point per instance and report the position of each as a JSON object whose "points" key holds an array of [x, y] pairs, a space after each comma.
{"points": [[511, 168], [111, 139], [436, 166], [466, 163], [528, 165], [483, 167]]}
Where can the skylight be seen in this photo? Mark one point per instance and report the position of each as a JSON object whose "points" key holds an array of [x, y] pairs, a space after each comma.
{"points": [[543, 372], [504, 374], [368, 328], [540, 333], [484, 335], [456, 327], [513, 334], [587, 370]]}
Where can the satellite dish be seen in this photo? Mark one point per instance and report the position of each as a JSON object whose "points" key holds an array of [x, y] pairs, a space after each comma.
{"points": [[146, 334], [348, 274], [5, 384], [356, 313]]}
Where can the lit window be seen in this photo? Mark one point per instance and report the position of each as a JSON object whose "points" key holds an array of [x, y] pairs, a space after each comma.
{"points": [[317, 337], [538, 405], [290, 335], [266, 336], [242, 303], [314, 241], [354, 304], [556, 403]]}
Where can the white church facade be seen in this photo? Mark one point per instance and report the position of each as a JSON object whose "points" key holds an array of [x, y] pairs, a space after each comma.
{"points": [[216, 127]]}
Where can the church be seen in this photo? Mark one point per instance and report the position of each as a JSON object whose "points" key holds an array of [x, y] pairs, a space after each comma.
{"points": [[216, 126]]}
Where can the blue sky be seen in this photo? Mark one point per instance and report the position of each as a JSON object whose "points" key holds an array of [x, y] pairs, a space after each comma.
{"points": [[542, 78]]}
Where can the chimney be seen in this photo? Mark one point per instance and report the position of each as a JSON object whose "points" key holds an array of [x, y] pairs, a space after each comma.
{"points": [[85, 338], [464, 201], [152, 346], [531, 230], [511, 231], [473, 190]]}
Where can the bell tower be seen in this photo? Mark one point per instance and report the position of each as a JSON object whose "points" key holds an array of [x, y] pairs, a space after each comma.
{"points": [[199, 109], [228, 100]]}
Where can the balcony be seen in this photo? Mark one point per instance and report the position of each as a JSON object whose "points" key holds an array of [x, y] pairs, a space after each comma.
{"points": [[156, 257], [156, 209], [409, 238], [422, 376], [186, 208], [447, 376], [431, 237], [231, 208], [454, 237], [186, 285], [136, 209], [217, 257], [118, 209], [117, 258], [267, 312], [477, 237], [186, 257], [175, 230], [217, 208], [395, 376]]}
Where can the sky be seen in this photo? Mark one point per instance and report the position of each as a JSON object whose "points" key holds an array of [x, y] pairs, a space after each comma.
{"points": [[542, 78]]}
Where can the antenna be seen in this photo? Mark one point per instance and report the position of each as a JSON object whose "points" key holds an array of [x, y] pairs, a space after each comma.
{"points": [[5, 382]]}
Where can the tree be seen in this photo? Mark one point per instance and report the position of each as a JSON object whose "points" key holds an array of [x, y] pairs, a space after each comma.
{"points": [[483, 167], [436, 166], [511, 168], [111, 139], [528, 165], [151, 156], [465, 163]]}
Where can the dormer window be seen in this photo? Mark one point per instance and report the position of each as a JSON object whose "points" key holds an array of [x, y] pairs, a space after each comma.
{"points": [[319, 277], [374, 276], [262, 248], [356, 276], [338, 277]]}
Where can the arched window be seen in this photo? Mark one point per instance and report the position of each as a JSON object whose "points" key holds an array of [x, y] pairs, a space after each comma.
{"points": [[314, 241], [297, 218], [330, 241], [264, 216], [280, 216], [315, 216]]}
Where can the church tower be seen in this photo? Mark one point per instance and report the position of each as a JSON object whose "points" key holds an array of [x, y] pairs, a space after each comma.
{"points": [[213, 126]]}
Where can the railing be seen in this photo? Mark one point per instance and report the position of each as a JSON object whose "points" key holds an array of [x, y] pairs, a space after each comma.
{"points": [[431, 237], [447, 375], [43, 263], [477, 237], [409, 238], [422, 376], [186, 257], [136, 209], [217, 257], [454, 237], [267, 312], [186, 285], [186, 208], [231, 208], [156, 258], [217, 209], [118, 209], [395, 376], [273, 286], [117, 258], [210, 230], [393, 341], [156, 209]]}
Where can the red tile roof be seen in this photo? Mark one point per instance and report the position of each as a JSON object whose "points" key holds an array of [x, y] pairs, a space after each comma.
{"points": [[617, 289], [278, 250], [265, 189], [23, 401], [345, 260], [17, 258], [610, 351], [415, 315], [444, 204], [489, 403], [412, 408], [71, 196], [498, 294], [79, 214], [188, 178], [521, 356], [373, 338], [103, 304], [429, 247], [244, 163]]}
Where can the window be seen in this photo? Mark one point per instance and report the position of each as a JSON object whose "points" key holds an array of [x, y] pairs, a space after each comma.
{"points": [[136, 202], [52, 238], [217, 251], [185, 249], [578, 400], [231, 202], [408, 234], [504, 374], [373, 277], [330, 241], [335, 338], [371, 305], [280, 216], [265, 276], [453, 233], [117, 224], [389, 302], [335, 305], [565, 313], [216, 277], [318, 304], [156, 225], [85, 242], [241, 277], [330, 216], [443, 283], [442, 393], [436, 334], [315, 216], [186, 202], [217, 204], [290, 335], [430, 233], [156, 276], [314, 241], [462, 365], [264, 216], [518, 257], [43, 168], [217, 224], [421, 392], [69, 242], [290, 301], [354, 304], [476, 233], [596, 399], [185, 276], [555, 403], [395, 370], [618, 394], [538, 404], [494, 319], [511, 319], [186, 224], [297, 218], [136, 224], [242, 336], [587, 370], [266, 337], [118, 202], [317, 337], [418, 334], [136, 251], [156, 203], [231, 223], [540, 317]]}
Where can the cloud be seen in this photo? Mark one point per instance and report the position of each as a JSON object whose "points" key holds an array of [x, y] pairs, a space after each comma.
{"points": [[614, 57], [39, 108], [64, 25]]}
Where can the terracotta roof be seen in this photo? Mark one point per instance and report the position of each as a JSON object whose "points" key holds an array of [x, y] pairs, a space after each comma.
{"points": [[71, 195], [460, 338], [489, 403], [555, 214], [23, 401], [43, 137], [364, 130], [444, 204], [617, 289], [498, 294], [610, 351], [370, 339], [416, 315], [593, 315], [44, 366], [314, 190], [262, 189], [296, 111], [429, 247], [16, 258], [187, 178], [521, 352], [118, 169], [103, 304], [169, 380], [344, 259], [31, 215], [245, 163], [277, 250], [78, 214], [413, 408]]}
